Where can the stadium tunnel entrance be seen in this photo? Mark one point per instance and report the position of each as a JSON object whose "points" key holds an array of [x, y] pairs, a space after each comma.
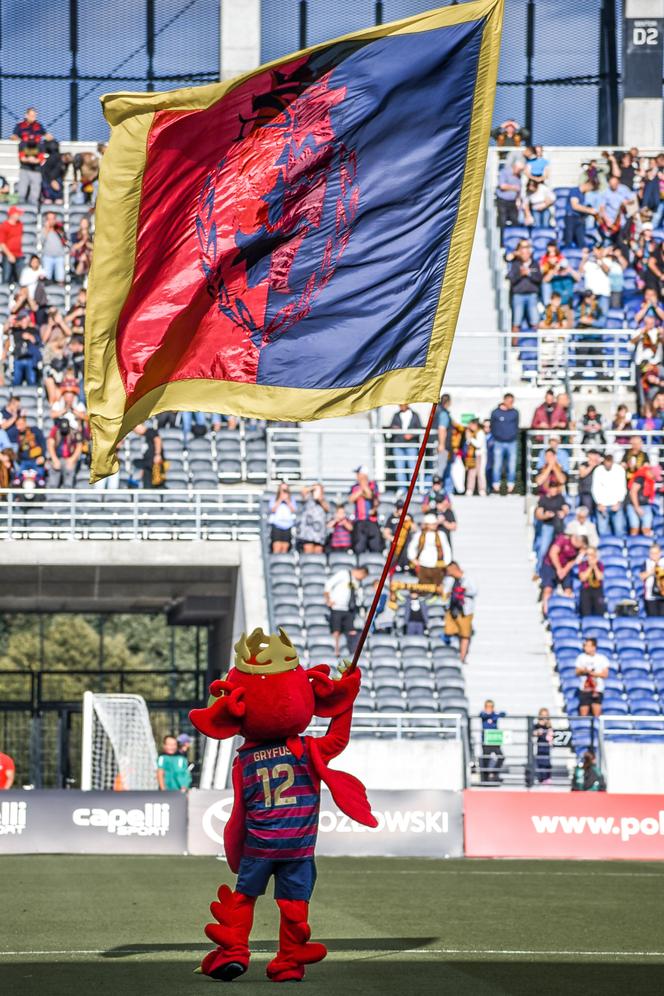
{"points": [[156, 620]]}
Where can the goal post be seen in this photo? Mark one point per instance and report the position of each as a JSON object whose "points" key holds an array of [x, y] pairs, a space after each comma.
{"points": [[118, 749]]}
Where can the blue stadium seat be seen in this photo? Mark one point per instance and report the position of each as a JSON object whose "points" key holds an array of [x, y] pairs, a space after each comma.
{"points": [[615, 706]]}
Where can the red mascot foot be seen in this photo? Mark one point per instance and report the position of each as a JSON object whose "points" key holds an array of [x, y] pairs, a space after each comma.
{"points": [[295, 950], [234, 913]]}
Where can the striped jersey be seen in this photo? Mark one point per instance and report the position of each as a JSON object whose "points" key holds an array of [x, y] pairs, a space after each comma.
{"points": [[281, 800]]}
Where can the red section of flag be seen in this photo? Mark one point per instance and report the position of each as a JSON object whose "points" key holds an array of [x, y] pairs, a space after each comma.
{"points": [[192, 312]]}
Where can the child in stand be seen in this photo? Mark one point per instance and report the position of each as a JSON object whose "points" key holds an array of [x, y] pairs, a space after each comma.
{"points": [[543, 737], [591, 576], [492, 758], [341, 531]]}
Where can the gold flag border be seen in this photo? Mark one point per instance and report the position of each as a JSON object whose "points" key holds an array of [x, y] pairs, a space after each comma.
{"points": [[130, 116]]}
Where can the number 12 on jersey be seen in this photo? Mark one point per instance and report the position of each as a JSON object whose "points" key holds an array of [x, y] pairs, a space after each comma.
{"points": [[284, 771]]}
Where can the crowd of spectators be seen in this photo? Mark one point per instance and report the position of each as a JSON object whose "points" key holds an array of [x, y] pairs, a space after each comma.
{"points": [[589, 257], [364, 522]]}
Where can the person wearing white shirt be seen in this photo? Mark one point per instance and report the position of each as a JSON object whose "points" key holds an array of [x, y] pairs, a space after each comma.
{"points": [[582, 525], [476, 473], [592, 668], [594, 269], [430, 550], [609, 490], [652, 576], [31, 275], [343, 594]]}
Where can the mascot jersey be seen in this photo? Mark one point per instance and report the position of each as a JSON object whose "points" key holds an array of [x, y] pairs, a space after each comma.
{"points": [[282, 798]]}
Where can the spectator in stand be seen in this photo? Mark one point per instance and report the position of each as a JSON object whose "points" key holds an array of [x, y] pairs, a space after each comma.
{"points": [[460, 596], [27, 353], [282, 519], [405, 534], [609, 490], [585, 473], [591, 576], [429, 551], [30, 134], [617, 265], [364, 496], [65, 446], [193, 422], [616, 203], [592, 428], [508, 193], [30, 277], [31, 451], [654, 272], [652, 576], [545, 414], [81, 249], [622, 422], [54, 171], [68, 405], [563, 420], [649, 306], [560, 453], [9, 417], [651, 193], [537, 165], [592, 668], [564, 554], [11, 245], [86, 171], [558, 277], [54, 248], [505, 435], [550, 474], [525, 280], [587, 777], [436, 492], [634, 457], [648, 355], [580, 217], [594, 271], [405, 425], [549, 519], [443, 427], [416, 618], [582, 524], [492, 758], [447, 521], [486, 425], [5, 192], [149, 466], [510, 133], [641, 490], [343, 596], [475, 458], [556, 316], [312, 520], [341, 531], [537, 204], [543, 738]]}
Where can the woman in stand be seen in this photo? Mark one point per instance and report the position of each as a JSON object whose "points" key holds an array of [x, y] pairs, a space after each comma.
{"points": [[282, 520], [312, 520]]}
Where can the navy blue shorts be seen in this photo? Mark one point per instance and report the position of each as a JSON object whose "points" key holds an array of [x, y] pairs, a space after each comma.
{"points": [[292, 879]]}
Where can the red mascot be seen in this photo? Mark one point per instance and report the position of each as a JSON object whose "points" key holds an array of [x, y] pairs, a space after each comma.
{"points": [[269, 699]]}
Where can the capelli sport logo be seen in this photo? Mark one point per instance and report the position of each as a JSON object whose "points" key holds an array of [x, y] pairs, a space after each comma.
{"points": [[153, 820], [13, 818]]}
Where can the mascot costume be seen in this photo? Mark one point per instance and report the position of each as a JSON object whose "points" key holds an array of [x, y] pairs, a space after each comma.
{"points": [[269, 699]]}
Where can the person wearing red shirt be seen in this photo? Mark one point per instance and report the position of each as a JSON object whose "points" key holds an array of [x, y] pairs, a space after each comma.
{"points": [[7, 771], [564, 554], [11, 245]]}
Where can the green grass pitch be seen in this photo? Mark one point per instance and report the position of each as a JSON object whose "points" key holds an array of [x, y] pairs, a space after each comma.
{"points": [[103, 925]]}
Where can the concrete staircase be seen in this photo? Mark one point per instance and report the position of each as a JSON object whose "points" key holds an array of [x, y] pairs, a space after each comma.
{"points": [[508, 656]]}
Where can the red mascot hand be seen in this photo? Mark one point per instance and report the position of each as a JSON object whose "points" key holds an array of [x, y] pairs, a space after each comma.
{"points": [[333, 697]]}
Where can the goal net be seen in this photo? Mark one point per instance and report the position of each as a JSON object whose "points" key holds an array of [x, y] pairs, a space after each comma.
{"points": [[118, 751]]}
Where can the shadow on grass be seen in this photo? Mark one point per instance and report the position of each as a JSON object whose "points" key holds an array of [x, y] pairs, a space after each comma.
{"points": [[266, 947], [370, 977]]}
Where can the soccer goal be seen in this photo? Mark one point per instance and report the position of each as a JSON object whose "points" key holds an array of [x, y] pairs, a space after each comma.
{"points": [[118, 751]]}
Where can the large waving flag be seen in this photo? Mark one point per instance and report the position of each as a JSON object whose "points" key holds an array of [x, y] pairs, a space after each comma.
{"points": [[291, 244]]}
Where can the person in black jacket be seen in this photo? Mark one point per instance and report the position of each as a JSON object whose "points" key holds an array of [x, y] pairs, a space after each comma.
{"points": [[405, 426], [525, 279], [505, 436], [53, 172]]}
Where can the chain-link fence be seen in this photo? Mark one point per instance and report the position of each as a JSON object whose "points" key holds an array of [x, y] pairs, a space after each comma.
{"points": [[559, 63], [61, 56]]}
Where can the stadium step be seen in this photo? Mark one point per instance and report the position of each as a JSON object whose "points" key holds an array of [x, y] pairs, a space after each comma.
{"points": [[508, 656]]}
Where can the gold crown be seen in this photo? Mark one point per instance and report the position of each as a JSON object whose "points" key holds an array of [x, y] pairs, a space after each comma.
{"points": [[261, 653]]}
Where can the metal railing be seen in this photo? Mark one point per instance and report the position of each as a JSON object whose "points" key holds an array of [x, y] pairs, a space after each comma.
{"points": [[129, 515], [537, 441], [401, 725], [596, 357], [517, 763]]}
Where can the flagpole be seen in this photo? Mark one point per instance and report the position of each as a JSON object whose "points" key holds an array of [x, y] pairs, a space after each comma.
{"points": [[393, 545]]}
